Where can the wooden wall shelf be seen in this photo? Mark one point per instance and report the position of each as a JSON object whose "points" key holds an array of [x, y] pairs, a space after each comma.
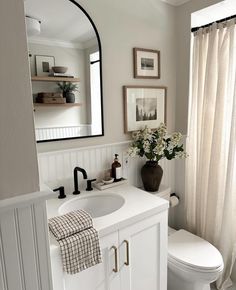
{"points": [[54, 79], [57, 105]]}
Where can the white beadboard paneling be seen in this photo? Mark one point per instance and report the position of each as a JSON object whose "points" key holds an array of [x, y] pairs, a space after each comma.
{"points": [[42, 242], [3, 278], [24, 245], [62, 132], [56, 168], [12, 256], [26, 249]]}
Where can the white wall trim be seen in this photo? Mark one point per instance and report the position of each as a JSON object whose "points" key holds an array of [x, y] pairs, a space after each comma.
{"points": [[54, 42], [20, 200], [88, 147], [84, 148], [60, 43]]}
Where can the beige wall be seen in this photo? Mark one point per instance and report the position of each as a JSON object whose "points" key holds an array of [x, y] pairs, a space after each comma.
{"points": [[149, 23], [18, 163], [123, 25], [183, 34]]}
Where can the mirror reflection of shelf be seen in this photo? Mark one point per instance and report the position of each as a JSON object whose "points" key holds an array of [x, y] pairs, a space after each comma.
{"points": [[84, 69], [57, 105], [55, 79]]}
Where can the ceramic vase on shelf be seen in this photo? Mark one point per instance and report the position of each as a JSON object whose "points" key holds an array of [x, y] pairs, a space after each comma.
{"points": [[151, 174], [70, 97]]}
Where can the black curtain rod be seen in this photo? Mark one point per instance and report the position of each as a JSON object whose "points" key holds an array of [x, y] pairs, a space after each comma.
{"points": [[194, 29]]}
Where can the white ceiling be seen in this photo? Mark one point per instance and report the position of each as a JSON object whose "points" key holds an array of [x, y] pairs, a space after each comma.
{"points": [[60, 21], [213, 13], [176, 2]]}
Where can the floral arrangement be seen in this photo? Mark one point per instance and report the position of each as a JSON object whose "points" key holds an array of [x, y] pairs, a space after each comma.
{"points": [[157, 144]]}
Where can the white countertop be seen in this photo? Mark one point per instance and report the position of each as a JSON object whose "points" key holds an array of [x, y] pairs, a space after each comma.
{"points": [[138, 205]]}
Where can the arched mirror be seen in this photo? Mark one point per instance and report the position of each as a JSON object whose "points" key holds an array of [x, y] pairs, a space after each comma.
{"points": [[66, 72]]}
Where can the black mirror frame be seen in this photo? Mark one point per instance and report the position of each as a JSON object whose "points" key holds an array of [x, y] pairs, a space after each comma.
{"points": [[101, 81]]}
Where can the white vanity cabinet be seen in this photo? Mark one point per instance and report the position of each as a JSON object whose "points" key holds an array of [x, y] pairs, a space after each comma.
{"points": [[99, 277], [143, 254], [134, 258], [133, 241]]}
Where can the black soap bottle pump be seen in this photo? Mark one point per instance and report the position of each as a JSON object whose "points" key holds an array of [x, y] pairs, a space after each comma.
{"points": [[116, 169]]}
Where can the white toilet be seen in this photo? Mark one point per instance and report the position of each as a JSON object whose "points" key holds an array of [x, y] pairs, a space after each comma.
{"points": [[193, 263]]}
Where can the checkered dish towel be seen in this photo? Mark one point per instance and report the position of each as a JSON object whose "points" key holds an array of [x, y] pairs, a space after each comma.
{"points": [[78, 240]]}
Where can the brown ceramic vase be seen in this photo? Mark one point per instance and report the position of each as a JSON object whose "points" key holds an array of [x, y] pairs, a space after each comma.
{"points": [[151, 174]]}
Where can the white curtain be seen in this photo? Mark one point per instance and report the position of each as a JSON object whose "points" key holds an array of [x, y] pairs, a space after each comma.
{"points": [[211, 143]]}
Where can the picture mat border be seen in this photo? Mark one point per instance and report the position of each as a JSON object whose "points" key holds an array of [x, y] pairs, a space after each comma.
{"points": [[125, 99]]}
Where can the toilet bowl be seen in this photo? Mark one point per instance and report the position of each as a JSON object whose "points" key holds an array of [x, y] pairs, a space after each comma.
{"points": [[193, 263]]}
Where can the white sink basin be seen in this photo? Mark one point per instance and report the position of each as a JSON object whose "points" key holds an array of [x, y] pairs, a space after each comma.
{"points": [[96, 205]]}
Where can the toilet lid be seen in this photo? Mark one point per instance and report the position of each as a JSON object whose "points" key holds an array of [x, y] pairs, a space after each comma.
{"points": [[193, 251]]}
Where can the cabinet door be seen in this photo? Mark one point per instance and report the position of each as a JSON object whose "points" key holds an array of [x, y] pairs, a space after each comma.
{"points": [[143, 254], [101, 276]]}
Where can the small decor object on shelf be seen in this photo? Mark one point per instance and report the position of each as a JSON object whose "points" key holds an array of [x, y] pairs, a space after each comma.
{"points": [[144, 106], [67, 89], [60, 69], [102, 186], [44, 64], [108, 180], [155, 145], [146, 63], [50, 98]]}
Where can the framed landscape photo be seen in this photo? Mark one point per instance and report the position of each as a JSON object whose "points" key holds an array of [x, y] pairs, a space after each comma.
{"points": [[144, 106], [43, 64], [146, 63]]}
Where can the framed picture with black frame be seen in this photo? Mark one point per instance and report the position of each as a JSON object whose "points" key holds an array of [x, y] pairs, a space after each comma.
{"points": [[144, 106]]}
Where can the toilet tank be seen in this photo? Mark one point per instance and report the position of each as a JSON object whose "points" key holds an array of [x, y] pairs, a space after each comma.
{"points": [[163, 192]]}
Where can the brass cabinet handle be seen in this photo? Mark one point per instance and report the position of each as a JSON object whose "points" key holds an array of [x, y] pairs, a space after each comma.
{"points": [[115, 269], [127, 252]]}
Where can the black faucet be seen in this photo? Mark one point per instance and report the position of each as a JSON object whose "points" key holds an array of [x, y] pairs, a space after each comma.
{"points": [[61, 192], [76, 191], [89, 184]]}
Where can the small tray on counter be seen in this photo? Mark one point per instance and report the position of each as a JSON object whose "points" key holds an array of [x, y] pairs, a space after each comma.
{"points": [[101, 186]]}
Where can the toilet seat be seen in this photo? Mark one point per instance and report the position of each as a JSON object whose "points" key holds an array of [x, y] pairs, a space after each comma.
{"points": [[192, 253], [192, 269]]}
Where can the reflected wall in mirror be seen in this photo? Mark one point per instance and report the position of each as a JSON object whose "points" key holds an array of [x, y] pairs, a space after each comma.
{"points": [[65, 62]]}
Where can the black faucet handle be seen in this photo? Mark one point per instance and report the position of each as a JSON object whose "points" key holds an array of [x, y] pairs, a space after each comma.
{"points": [[89, 184], [61, 190]]}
